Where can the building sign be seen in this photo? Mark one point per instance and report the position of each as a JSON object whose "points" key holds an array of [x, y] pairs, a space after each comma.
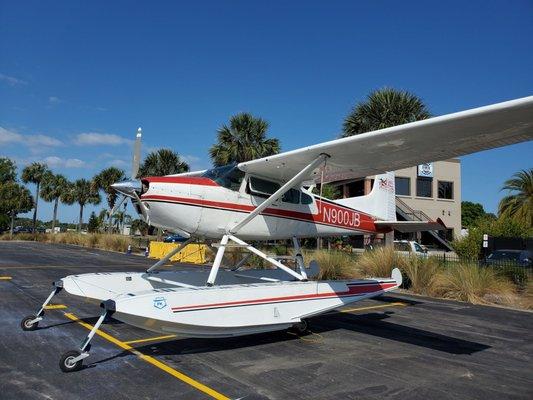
{"points": [[425, 170]]}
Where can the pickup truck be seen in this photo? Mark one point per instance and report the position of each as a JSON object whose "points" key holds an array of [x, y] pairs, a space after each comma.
{"points": [[409, 247]]}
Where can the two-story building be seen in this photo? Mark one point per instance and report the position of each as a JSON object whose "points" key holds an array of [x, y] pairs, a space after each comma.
{"points": [[423, 192]]}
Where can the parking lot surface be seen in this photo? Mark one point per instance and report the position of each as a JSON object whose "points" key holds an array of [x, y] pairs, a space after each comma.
{"points": [[393, 347]]}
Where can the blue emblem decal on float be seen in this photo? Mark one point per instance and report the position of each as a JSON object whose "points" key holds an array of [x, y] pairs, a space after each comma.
{"points": [[160, 302]]}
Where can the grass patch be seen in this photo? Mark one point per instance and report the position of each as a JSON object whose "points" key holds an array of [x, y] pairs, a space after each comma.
{"points": [[102, 241], [474, 284], [334, 264], [379, 262], [422, 274]]}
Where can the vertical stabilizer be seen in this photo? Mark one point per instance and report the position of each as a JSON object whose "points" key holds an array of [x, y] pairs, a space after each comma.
{"points": [[380, 202]]}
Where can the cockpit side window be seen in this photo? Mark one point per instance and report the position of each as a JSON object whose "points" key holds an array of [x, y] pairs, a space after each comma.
{"points": [[262, 187], [228, 176]]}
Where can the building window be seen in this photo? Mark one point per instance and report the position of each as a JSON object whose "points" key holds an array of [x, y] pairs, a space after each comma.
{"points": [[445, 190], [403, 186], [424, 187]]}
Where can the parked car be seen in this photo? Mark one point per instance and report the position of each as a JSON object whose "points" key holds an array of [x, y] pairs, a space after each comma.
{"points": [[175, 238], [503, 258], [21, 229], [409, 247]]}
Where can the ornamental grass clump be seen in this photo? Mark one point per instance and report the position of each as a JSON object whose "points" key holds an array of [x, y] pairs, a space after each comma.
{"points": [[422, 274], [379, 262], [333, 264], [477, 285]]}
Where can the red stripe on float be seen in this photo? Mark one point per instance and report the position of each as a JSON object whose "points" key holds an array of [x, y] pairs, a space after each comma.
{"points": [[353, 290]]}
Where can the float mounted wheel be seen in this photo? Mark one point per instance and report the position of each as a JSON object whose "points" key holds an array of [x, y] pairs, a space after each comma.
{"points": [[67, 363], [27, 325]]}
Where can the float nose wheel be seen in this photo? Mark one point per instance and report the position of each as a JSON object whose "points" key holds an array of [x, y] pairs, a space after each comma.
{"points": [[71, 361], [29, 323]]}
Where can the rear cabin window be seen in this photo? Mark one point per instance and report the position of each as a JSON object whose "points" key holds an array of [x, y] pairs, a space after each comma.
{"points": [[306, 199], [262, 187], [292, 196]]}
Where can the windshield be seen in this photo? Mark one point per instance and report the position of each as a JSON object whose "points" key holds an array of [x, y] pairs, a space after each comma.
{"points": [[228, 176], [505, 255]]}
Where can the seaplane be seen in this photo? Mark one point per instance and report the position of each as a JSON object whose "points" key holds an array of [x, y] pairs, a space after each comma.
{"points": [[271, 199]]}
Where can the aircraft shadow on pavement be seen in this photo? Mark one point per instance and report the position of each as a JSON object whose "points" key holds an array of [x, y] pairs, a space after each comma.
{"points": [[373, 324]]}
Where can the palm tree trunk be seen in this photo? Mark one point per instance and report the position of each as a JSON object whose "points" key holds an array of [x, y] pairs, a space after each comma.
{"points": [[12, 222], [36, 204], [55, 214], [110, 224], [81, 218]]}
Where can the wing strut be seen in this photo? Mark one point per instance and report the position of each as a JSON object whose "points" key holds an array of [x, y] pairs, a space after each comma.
{"points": [[299, 177], [240, 243]]}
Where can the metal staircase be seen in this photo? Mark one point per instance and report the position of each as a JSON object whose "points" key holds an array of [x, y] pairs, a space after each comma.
{"points": [[407, 213]]}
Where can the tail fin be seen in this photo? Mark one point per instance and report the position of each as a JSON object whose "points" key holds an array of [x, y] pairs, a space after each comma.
{"points": [[380, 202]]}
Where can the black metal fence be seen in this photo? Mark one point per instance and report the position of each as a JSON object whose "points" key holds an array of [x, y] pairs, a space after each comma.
{"points": [[515, 270]]}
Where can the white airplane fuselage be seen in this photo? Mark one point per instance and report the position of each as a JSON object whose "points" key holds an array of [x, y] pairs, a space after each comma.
{"points": [[203, 208]]}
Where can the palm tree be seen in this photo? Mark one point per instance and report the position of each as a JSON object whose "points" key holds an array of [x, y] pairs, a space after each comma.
{"points": [[518, 204], [243, 140], [53, 187], [103, 181], [384, 108], [139, 225], [162, 162], [15, 199], [8, 170], [35, 173], [120, 219], [82, 192]]}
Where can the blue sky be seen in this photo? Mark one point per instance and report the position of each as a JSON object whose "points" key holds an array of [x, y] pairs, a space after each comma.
{"points": [[78, 78]]}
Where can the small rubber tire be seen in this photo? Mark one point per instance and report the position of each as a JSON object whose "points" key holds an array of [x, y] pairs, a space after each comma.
{"points": [[26, 325], [66, 364], [301, 327]]}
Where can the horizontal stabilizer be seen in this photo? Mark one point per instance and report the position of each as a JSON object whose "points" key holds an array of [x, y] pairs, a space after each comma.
{"points": [[411, 226]]}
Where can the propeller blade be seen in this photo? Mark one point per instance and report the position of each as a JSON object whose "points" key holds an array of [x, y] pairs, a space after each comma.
{"points": [[136, 155], [142, 207], [117, 205]]}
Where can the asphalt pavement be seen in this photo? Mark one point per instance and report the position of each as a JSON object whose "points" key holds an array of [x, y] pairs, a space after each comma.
{"points": [[393, 347]]}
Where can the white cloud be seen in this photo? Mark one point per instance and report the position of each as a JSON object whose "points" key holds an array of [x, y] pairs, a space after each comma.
{"points": [[54, 162], [118, 163], [99, 139], [54, 100], [33, 141], [11, 80]]}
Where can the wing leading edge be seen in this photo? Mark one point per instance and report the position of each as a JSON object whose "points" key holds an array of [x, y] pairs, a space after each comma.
{"points": [[410, 144]]}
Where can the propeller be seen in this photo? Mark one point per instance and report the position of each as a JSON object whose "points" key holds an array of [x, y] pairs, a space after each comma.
{"points": [[132, 188], [136, 154]]}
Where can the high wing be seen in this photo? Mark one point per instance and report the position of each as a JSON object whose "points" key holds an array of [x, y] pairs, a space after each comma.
{"points": [[410, 144]]}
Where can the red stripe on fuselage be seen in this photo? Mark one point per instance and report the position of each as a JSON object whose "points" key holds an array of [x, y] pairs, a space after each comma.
{"points": [[186, 180], [352, 291], [366, 223]]}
